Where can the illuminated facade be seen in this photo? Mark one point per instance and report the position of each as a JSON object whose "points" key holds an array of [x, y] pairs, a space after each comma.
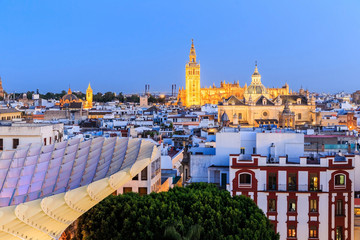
{"points": [[69, 100], [284, 111], [88, 104], [2, 93], [193, 94]]}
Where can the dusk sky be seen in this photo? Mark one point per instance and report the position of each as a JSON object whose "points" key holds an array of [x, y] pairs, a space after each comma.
{"points": [[122, 45]]}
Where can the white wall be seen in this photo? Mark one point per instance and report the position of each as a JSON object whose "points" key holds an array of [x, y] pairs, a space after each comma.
{"points": [[199, 165], [291, 144], [231, 142]]}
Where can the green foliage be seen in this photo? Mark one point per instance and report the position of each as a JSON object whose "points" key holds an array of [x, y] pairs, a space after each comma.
{"points": [[153, 99], [199, 211], [50, 95], [134, 98], [120, 97]]}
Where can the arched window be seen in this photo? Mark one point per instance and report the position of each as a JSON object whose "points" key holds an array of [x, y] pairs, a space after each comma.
{"points": [[244, 179], [340, 180]]}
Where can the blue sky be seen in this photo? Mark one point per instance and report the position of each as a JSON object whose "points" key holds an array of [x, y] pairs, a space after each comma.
{"points": [[123, 45]]}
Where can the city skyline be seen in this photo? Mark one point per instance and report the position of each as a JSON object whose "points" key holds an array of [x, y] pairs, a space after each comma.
{"points": [[313, 45]]}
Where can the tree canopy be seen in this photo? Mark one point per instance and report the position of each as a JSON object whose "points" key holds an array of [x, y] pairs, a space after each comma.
{"points": [[199, 211]]}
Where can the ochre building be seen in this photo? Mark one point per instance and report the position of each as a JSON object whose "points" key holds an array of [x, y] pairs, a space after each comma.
{"points": [[194, 95]]}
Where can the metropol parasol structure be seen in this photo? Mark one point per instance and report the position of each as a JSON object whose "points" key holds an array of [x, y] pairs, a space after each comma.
{"points": [[43, 189]]}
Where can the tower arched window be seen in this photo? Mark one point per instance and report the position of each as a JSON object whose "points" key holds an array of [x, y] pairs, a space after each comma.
{"points": [[340, 180], [244, 179]]}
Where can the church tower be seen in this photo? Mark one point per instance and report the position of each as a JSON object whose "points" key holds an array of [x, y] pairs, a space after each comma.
{"points": [[1, 90], [89, 98], [192, 73]]}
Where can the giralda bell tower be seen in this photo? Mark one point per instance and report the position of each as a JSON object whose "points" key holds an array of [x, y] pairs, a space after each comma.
{"points": [[192, 68]]}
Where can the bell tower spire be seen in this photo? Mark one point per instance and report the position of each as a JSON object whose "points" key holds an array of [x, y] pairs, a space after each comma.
{"points": [[192, 56]]}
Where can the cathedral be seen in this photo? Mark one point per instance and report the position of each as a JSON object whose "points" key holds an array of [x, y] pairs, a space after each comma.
{"points": [[253, 105], [71, 101], [194, 95]]}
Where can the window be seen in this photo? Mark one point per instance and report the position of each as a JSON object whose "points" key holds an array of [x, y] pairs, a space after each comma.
{"points": [[242, 150], [44, 141], [339, 234], [339, 207], [15, 143], [272, 205], [144, 175], [357, 212], [127, 190], [340, 180], [254, 150], [240, 116], [291, 231], [1, 144], [313, 205], [292, 205], [314, 182], [313, 232], [292, 182], [136, 177], [299, 116], [272, 183], [142, 191], [50, 140], [245, 179]]}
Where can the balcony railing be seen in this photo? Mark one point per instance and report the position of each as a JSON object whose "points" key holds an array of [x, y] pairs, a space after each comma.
{"points": [[292, 188]]}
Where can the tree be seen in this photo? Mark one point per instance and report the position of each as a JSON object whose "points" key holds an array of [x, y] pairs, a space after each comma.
{"points": [[108, 97], [199, 211], [80, 95], [134, 98], [152, 99], [121, 97], [97, 97]]}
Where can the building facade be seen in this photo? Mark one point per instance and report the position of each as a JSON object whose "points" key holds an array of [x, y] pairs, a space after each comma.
{"points": [[284, 110], [308, 199]]}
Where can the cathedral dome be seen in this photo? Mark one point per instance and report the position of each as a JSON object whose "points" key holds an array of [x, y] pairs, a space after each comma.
{"points": [[256, 89], [70, 97]]}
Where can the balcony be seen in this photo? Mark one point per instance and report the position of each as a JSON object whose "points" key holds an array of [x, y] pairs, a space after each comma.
{"points": [[292, 188]]}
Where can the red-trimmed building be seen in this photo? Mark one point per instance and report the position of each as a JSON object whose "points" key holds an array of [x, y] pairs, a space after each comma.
{"points": [[307, 198]]}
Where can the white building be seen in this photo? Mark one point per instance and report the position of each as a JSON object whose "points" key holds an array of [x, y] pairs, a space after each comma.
{"points": [[304, 197], [24, 133], [212, 165], [147, 181]]}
